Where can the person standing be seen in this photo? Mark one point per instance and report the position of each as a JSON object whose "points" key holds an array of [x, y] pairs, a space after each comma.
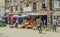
{"points": [[17, 22], [40, 26], [11, 23], [44, 21], [54, 24]]}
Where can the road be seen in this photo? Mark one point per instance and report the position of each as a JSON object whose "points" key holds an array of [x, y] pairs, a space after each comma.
{"points": [[13, 32]]}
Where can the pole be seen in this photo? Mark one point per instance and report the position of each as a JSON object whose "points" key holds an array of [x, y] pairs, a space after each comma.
{"points": [[5, 7]]}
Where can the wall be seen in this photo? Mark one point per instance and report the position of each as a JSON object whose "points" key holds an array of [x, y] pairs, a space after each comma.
{"points": [[2, 7]]}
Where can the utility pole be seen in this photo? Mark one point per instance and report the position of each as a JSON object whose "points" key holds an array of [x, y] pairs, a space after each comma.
{"points": [[5, 7]]}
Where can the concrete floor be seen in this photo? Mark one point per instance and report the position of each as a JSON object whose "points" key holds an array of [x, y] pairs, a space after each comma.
{"points": [[13, 32]]}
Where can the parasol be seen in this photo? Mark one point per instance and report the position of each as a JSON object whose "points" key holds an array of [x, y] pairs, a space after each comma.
{"points": [[32, 14], [14, 16], [23, 15]]}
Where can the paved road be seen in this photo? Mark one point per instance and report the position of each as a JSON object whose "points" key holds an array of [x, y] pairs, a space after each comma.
{"points": [[8, 32]]}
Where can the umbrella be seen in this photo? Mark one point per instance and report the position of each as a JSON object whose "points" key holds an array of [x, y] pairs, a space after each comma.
{"points": [[14, 16], [32, 14], [23, 15]]}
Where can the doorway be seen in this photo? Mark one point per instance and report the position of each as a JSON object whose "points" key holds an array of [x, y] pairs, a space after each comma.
{"points": [[58, 17], [44, 19]]}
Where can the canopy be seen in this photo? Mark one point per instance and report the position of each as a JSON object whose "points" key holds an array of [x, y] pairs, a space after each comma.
{"points": [[14, 16], [33, 14], [23, 15]]}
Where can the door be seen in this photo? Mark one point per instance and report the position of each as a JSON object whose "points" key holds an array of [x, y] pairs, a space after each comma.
{"points": [[44, 19], [58, 20]]}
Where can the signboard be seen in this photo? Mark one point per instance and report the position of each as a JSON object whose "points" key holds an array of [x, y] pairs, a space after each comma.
{"points": [[26, 9], [7, 10], [2, 3]]}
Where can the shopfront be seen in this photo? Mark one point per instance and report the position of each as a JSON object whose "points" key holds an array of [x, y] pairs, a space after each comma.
{"points": [[44, 19]]}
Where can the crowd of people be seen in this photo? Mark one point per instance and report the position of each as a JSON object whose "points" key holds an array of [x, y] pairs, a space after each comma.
{"points": [[32, 21]]}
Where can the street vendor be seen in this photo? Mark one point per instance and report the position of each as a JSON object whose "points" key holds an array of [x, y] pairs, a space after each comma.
{"points": [[17, 22], [24, 23], [31, 23]]}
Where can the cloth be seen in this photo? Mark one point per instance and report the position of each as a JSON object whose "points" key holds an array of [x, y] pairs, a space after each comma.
{"points": [[39, 29], [54, 28], [31, 23], [17, 21], [41, 23], [54, 22]]}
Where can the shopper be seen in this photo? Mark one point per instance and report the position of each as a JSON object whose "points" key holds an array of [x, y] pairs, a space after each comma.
{"points": [[54, 24], [24, 23], [40, 26], [17, 22]]}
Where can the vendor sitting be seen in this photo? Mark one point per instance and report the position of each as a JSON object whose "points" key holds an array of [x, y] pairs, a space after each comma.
{"points": [[24, 23], [31, 24]]}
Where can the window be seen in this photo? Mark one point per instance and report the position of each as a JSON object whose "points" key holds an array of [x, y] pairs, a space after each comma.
{"points": [[16, 8], [27, 5], [34, 6], [21, 9], [11, 9], [43, 5], [56, 4], [59, 4]]}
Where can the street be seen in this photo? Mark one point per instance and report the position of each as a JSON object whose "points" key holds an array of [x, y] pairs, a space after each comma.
{"points": [[13, 32]]}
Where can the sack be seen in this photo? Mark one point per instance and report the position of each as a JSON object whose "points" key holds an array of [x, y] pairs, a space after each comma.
{"points": [[11, 26]]}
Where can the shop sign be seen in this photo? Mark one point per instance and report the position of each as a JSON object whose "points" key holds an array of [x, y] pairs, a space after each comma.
{"points": [[26, 9], [44, 12]]}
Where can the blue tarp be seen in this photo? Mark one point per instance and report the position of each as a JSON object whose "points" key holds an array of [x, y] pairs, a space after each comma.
{"points": [[20, 19]]}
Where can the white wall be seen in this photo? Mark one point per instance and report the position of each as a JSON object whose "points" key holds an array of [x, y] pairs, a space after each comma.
{"points": [[2, 11], [2, 7], [27, 9]]}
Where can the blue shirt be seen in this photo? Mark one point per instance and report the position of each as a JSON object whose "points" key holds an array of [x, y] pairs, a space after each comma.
{"points": [[54, 21]]}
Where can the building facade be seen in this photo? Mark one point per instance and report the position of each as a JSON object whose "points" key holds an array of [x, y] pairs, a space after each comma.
{"points": [[35, 6], [27, 6]]}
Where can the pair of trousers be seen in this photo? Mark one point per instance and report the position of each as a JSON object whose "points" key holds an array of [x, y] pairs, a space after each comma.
{"points": [[54, 28], [39, 29], [16, 25]]}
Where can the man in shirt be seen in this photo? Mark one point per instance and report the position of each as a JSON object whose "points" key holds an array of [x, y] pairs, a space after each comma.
{"points": [[54, 24]]}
